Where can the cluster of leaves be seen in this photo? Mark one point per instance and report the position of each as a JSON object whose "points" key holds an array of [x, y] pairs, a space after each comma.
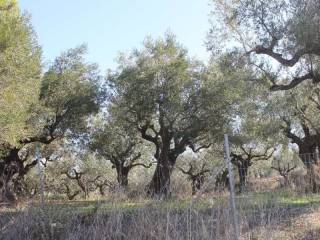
{"points": [[20, 69]]}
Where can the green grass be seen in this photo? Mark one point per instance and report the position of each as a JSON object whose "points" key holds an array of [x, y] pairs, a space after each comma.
{"points": [[312, 200], [281, 198]]}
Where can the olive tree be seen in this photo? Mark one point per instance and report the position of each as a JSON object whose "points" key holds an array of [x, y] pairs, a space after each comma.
{"points": [[299, 113], [68, 95], [20, 69], [196, 168], [173, 101], [255, 130], [119, 145], [281, 40], [77, 173], [281, 37]]}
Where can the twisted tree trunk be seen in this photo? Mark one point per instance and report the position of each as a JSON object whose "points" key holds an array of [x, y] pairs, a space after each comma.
{"points": [[313, 171], [309, 156], [9, 166], [243, 172], [308, 153], [197, 183], [160, 183], [122, 175]]}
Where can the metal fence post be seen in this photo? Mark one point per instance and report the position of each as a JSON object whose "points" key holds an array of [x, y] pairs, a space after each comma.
{"points": [[38, 157], [232, 189], [317, 155]]}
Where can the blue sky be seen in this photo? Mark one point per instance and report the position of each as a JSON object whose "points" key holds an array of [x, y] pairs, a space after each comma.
{"points": [[111, 26]]}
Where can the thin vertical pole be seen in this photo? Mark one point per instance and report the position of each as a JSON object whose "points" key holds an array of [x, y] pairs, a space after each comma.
{"points": [[317, 155], [232, 191], [38, 156]]}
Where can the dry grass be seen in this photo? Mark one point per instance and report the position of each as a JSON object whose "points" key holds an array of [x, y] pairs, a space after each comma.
{"points": [[267, 215]]}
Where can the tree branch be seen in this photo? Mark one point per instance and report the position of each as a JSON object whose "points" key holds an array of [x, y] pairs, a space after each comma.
{"points": [[294, 82], [195, 150], [287, 130], [264, 156], [30, 165], [49, 134], [144, 135], [142, 165], [260, 49]]}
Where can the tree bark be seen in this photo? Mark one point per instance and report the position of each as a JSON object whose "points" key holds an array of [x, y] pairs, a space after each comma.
{"points": [[9, 166], [160, 183], [122, 176], [222, 181], [313, 171], [197, 183], [307, 152], [242, 165], [193, 187], [243, 172], [6, 195]]}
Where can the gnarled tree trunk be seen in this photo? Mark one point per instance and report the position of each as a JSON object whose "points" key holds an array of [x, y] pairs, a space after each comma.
{"points": [[222, 181], [310, 157], [9, 166], [197, 183], [160, 183], [122, 175], [243, 173], [313, 171], [242, 165], [308, 153]]}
